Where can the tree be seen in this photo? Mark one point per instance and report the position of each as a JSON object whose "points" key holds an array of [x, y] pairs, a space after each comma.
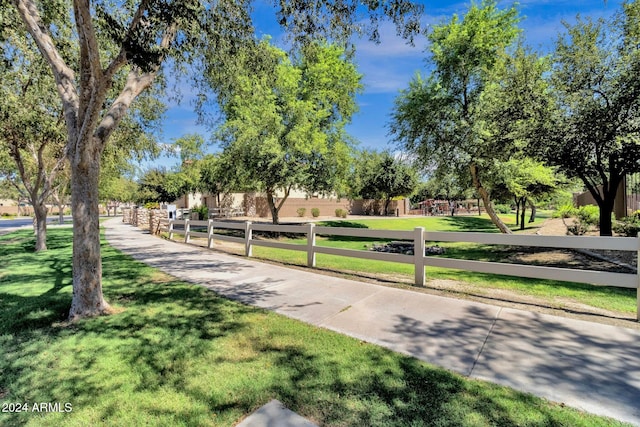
{"points": [[60, 194], [216, 177], [389, 178], [527, 180], [160, 185], [596, 132], [438, 119], [517, 109], [31, 128], [446, 185], [285, 121], [142, 35]]}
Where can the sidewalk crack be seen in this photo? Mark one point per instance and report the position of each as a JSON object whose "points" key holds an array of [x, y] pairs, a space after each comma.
{"points": [[484, 343]]}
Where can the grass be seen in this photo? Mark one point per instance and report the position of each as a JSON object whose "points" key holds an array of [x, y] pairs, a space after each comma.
{"points": [[554, 293], [178, 355]]}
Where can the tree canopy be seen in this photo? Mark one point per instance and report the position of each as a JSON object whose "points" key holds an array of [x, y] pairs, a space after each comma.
{"points": [[596, 127], [385, 177], [439, 118], [285, 120]]}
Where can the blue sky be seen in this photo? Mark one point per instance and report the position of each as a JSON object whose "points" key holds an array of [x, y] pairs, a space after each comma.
{"points": [[388, 67]]}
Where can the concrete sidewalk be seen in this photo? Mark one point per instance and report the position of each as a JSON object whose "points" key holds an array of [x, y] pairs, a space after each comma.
{"points": [[586, 365]]}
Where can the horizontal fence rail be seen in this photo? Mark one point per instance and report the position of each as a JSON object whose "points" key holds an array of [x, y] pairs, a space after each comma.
{"points": [[418, 237]]}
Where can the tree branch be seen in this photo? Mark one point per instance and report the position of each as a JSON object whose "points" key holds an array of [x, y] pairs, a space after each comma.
{"points": [[65, 77], [136, 83], [120, 60], [593, 189], [89, 49]]}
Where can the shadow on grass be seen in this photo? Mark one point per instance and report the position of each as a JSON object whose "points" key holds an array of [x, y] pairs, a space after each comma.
{"points": [[145, 348], [33, 284], [346, 224], [471, 224], [373, 387]]}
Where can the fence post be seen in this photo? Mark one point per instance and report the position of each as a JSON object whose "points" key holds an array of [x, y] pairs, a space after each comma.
{"points": [[210, 234], [248, 235], [311, 243], [418, 253], [638, 283], [171, 221], [187, 230]]}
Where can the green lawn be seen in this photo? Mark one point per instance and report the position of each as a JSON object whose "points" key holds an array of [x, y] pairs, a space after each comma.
{"points": [[554, 293], [177, 355]]}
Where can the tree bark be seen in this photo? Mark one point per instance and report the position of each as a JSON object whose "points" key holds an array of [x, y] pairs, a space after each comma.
{"points": [[606, 200], [484, 194], [87, 263], [40, 222], [606, 225], [275, 212], [275, 209], [532, 218]]}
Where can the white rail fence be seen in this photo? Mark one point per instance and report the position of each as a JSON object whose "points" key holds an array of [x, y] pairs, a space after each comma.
{"points": [[418, 236]]}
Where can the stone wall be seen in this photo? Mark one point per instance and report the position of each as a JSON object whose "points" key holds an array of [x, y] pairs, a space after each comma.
{"points": [[127, 215], [155, 215], [144, 218]]}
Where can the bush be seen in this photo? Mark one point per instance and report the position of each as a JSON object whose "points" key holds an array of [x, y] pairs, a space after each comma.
{"points": [[202, 211], [586, 217], [152, 205], [628, 226], [315, 212], [301, 212], [589, 215], [565, 211], [341, 213], [503, 209]]}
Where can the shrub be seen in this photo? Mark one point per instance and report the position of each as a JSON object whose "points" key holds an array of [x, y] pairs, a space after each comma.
{"points": [[503, 209], [628, 226], [202, 211], [152, 205], [341, 213], [565, 211], [315, 212], [301, 212], [586, 217], [577, 229], [589, 215]]}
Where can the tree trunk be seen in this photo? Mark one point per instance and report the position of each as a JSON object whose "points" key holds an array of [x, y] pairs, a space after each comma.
{"points": [[61, 214], [40, 226], [532, 218], [487, 201], [275, 212], [387, 201], [517, 201], [522, 213], [87, 264], [605, 201], [606, 226]]}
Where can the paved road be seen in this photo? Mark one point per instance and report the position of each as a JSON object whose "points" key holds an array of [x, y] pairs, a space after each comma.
{"points": [[26, 221], [586, 365]]}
